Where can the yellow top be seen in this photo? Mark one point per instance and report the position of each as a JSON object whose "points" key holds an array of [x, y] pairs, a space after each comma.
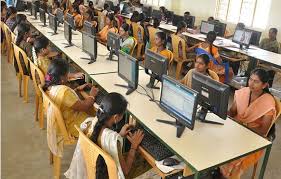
{"points": [[187, 80], [43, 64], [65, 100], [103, 33], [165, 53]]}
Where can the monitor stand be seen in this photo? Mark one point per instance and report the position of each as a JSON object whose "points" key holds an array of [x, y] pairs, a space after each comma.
{"points": [[44, 25], [130, 88], [110, 58], [53, 33], [151, 83], [178, 125], [242, 47], [201, 116], [67, 45], [91, 59]]}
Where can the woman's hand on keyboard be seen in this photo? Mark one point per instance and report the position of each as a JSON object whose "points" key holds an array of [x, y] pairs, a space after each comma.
{"points": [[125, 130], [135, 138], [94, 91], [82, 87]]}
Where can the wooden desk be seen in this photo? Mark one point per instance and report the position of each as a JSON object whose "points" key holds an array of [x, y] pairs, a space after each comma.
{"points": [[205, 147]]}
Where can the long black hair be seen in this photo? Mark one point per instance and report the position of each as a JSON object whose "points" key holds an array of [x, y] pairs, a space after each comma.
{"points": [[19, 18], [125, 26], [56, 70], [23, 28], [40, 43], [263, 76], [135, 16], [111, 104], [211, 37], [10, 11], [163, 37], [180, 26]]}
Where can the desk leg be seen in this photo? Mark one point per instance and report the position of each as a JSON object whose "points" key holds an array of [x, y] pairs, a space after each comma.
{"points": [[265, 160]]}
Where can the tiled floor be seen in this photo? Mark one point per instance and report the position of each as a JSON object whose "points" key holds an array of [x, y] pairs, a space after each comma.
{"points": [[24, 145]]}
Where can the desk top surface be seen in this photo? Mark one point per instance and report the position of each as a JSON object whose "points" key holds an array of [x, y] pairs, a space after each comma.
{"points": [[205, 146]]}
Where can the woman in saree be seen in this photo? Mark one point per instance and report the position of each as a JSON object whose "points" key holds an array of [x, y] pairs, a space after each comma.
{"points": [[254, 107]]}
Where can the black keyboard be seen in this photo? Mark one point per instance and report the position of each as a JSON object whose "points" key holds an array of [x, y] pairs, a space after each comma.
{"points": [[99, 96], [154, 147]]}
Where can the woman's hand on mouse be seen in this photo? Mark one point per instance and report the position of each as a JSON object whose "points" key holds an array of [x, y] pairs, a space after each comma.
{"points": [[81, 87], [135, 138]]}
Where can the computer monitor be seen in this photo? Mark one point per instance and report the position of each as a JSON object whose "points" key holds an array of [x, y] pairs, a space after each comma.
{"points": [[220, 28], [177, 19], [53, 22], [156, 66], [89, 28], [128, 70], [180, 102], [42, 14], [156, 14], [113, 44], [34, 9], [60, 15], [206, 27], [67, 33], [255, 39], [89, 45], [212, 96], [242, 37], [110, 4], [70, 20], [190, 20], [147, 10]]}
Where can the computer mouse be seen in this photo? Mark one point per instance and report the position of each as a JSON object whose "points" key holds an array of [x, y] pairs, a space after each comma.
{"points": [[170, 162]]}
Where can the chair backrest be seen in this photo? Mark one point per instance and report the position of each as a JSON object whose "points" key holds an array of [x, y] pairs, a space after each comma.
{"points": [[91, 152], [19, 52], [134, 47], [138, 32], [278, 112], [152, 31], [178, 42], [47, 101], [101, 20], [37, 77]]}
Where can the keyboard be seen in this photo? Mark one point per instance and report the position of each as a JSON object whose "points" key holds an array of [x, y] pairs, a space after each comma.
{"points": [[99, 96], [154, 147]]}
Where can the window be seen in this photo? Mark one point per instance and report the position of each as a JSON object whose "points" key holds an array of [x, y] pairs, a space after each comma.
{"points": [[154, 2], [253, 13]]}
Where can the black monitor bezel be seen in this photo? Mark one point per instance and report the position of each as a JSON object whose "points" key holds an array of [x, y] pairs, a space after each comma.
{"points": [[88, 24], [42, 14], [55, 27], [60, 19], [164, 66], [70, 20], [116, 37], [93, 54], [34, 10], [171, 113], [136, 66], [69, 38], [238, 42], [207, 23]]}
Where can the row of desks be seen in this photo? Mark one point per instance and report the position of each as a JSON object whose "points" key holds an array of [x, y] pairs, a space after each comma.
{"points": [[204, 147], [253, 52]]}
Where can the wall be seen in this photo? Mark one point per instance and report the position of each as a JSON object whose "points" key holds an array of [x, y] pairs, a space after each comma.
{"points": [[203, 9]]}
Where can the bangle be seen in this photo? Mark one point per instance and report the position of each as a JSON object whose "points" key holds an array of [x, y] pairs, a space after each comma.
{"points": [[133, 148], [92, 97]]}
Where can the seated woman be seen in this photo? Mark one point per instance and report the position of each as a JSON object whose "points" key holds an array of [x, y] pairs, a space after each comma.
{"points": [[160, 46], [211, 49], [254, 107], [201, 66], [181, 28], [19, 19], [77, 14], [55, 7], [110, 26], [89, 16], [74, 110], [99, 130], [127, 42], [11, 16], [23, 39], [44, 57], [117, 16]]}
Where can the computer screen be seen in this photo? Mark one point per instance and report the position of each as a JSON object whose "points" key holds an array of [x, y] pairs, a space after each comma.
{"points": [[89, 28], [70, 21], [255, 38], [220, 28], [206, 27], [128, 69], [121, 6], [89, 45], [67, 32], [60, 15], [155, 62], [147, 10], [190, 20], [34, 10], [113, 42], [110, 4], [42, 16], [178, 101], [177, 19], [53, 22], [212, 95], [242, 36], [156, 14]]}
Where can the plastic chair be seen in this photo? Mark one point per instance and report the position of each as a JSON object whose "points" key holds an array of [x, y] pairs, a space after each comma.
{"points": [[179, 59], [91, 152], [278, 108], [3, 43], [20, 75], [101, 20], [138, 33], [134, 47], [8, 39], [152, 31], [67, 139], [38, 79], [200, 51]]}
